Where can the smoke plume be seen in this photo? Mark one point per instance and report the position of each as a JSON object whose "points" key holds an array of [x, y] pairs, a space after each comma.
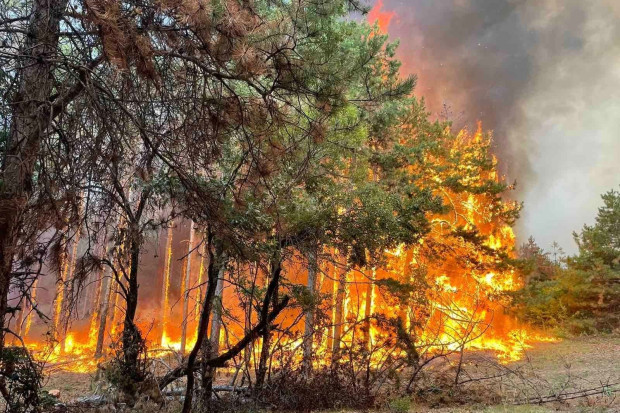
{"points": [[544, 75]]}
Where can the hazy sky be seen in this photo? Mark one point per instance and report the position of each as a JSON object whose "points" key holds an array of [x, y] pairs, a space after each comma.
{"points": [[544, 75]]}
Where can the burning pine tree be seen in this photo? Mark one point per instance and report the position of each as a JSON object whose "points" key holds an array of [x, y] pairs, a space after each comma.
{"points": [[243, 185]]}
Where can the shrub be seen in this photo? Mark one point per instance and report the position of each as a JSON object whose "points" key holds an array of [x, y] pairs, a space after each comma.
{"points": [[21, 378]]}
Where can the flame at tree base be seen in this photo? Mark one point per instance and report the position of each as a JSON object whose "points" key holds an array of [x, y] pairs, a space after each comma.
{"points": [[446, 294]]}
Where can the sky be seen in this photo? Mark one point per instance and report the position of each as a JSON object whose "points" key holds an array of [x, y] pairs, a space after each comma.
{"points": [[543, 75]]}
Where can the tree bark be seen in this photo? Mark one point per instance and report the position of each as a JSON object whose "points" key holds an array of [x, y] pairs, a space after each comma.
{"points": [[215, 261], [186, 287], [309, 316], [339, 312], [131, 338], [276, 270], [213, 348], [166, 284], [106, 291], [370, 290], [29, 124]]}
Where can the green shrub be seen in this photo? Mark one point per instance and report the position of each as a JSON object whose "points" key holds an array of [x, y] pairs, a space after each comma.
{"points": [[399, 405]]}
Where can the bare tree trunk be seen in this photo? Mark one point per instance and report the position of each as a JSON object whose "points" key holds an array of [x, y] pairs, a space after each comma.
{"points": [[201, 273], [216, 324], [60, 325], [186, 287], [248, 352], [265, 318], [107, 286], [18, 323], [166, 285], [59, 298], [339, 312], [29, 124], [92, 297], [370, 290], [276, 268], [213, 347], [215, 260], [132, 342], [309, 316], [30, 308], [331, 270]]}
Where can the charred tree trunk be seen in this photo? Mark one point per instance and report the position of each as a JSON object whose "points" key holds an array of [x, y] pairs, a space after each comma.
{"points": [[132, 343], [212, 347], [29, 124], [265, 318], [215, 262], [276, 269]]}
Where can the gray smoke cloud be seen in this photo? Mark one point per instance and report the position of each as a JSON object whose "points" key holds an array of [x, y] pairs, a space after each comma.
{"points": [[544, 75]]}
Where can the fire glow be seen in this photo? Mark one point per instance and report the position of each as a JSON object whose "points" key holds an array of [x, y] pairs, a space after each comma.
{"points": [[455, 306]]}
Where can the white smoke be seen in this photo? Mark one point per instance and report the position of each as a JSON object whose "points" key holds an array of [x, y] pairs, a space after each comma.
{"points": [[570, 116]]}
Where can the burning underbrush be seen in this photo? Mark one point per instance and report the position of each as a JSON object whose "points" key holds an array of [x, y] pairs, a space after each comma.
{"points": [[309, 320]]}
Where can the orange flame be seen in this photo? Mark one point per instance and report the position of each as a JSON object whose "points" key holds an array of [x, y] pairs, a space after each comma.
{"points": [[382, 18]]}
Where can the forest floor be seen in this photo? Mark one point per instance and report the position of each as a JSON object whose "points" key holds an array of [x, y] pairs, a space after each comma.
{"points": [[567, 366]]}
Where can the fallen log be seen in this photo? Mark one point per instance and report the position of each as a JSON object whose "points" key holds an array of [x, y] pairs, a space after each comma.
{"points": [[92, 400], [229, 389]]}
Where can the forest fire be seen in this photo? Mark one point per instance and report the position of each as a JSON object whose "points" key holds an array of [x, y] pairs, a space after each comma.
{"points": [[443, 293], [457, 302], [254, 205]]}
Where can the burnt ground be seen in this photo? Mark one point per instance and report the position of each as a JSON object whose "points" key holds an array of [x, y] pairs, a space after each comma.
{"points": [[566, 367]]}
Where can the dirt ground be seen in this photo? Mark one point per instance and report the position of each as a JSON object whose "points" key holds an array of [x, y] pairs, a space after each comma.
{"points": [[565, 367], [549, 368]]}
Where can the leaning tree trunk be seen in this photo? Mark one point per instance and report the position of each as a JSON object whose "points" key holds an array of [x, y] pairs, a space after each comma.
{"points": [[29, 124]]}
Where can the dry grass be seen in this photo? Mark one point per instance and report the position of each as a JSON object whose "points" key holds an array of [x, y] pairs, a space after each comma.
{"points": [[590, 358], [582, 362], [550, 368]]}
